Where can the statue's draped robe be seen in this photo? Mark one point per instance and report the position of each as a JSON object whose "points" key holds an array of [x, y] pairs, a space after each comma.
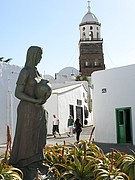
{"points": [[30, 135]]}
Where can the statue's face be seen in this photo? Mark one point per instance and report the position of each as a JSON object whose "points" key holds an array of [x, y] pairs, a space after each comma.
{"points": [[38, 58]]}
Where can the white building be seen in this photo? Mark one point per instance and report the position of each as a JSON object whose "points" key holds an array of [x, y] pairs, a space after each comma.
{"points": [[8, 102], [113, 97], [68, 97]]}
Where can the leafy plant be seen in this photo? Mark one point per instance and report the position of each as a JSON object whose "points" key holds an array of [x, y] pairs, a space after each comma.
{"points": [[128, 165], [82, 78], [9, 172], [85, 160]]}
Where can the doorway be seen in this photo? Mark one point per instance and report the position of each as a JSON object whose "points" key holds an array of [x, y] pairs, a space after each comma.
{"points": [[79, 112], [124, 125]]}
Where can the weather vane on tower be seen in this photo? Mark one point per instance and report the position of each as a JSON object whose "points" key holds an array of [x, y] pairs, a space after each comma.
{"points": [[89, 5]]}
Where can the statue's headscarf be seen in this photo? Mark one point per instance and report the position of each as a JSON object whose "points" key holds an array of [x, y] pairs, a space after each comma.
{"points": [[31, 54]]}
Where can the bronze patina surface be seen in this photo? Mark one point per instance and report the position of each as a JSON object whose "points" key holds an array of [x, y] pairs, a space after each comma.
{"points": [[31, 130]]}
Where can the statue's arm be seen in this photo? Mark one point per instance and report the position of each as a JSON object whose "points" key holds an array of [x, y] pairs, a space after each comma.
{"points": [[20, 86], [19, 93]]}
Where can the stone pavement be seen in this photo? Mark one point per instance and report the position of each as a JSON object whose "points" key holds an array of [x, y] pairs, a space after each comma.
{"points": [[85, 135]]}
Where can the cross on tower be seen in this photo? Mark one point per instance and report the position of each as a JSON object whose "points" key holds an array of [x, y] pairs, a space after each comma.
{"points": [[89, 5]]}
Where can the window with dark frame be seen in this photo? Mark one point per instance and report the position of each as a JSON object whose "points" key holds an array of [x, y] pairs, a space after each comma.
{"points": [[79, 102], [71, 110]]}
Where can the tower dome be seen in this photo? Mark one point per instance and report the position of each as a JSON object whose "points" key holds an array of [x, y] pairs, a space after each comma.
{"points": [[89, 18], [90, 28]]}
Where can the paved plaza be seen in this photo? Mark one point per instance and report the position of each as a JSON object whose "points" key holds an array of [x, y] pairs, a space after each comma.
{"points": [[85, 135]]}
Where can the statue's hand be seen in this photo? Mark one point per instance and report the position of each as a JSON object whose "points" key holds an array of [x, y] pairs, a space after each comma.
{"points": [[40, 101]]}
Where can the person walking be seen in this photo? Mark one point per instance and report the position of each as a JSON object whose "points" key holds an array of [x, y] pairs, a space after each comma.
{"points": [[78, 128], [70, 125], [55, 126]]}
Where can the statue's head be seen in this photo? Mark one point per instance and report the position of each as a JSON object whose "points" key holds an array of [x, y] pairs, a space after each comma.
{"points": [[34, 55]]}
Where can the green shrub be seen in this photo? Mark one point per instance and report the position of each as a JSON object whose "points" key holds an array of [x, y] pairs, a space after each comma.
{"points": [[8, 172], [79, 161], [86, 160]]}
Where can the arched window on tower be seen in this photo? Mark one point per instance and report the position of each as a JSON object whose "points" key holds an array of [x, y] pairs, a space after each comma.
{"points": [[97, 32], [91, 27], [83, 35], [97, 35], [90, 35], [83, 28]]}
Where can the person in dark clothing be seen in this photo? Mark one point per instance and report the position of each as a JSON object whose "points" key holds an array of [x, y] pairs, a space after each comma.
{"points": [[78, 127]]}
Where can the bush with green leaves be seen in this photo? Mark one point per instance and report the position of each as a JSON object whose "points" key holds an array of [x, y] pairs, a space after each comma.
{"points": [[128, 165], [8, 172], [80, 161], [85, 160]]}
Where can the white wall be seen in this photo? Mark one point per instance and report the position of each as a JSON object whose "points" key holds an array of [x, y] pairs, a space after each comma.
{"points": [[59, 104], [120, 86], [65, 99], [51, 107], [8, 102]]}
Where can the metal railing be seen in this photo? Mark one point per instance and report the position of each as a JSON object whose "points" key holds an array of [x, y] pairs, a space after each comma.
{"points": [[91, 39]]}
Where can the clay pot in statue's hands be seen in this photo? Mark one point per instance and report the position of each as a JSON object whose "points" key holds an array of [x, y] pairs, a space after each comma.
{"points": [[43, 90]]}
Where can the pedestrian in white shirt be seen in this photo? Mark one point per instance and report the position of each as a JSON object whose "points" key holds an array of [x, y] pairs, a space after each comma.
{"points": [[55, 126]]}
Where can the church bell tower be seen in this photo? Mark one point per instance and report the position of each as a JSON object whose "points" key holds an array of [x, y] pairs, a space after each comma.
{"points": [[91, 56]]}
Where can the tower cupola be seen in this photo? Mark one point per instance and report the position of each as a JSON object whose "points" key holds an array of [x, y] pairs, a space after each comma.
{"points": [[89, 26], [90, 45]]}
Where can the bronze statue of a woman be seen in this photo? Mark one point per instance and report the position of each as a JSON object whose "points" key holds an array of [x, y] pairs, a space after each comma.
{"points": [[30, 135]]}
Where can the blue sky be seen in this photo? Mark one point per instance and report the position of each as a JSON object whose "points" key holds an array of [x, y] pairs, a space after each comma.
{"points": [[54, 25]]}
